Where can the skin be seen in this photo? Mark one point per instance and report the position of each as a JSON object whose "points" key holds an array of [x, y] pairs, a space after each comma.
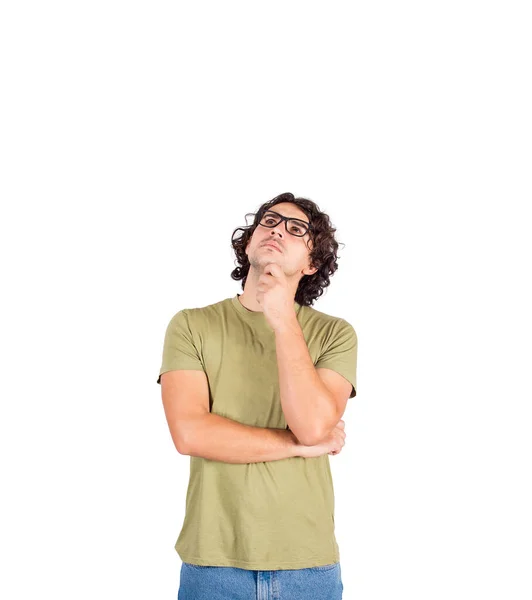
{"points": [[274, 276]]}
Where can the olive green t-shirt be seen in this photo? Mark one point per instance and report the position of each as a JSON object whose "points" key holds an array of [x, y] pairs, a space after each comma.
{"points": [[263, 515]]}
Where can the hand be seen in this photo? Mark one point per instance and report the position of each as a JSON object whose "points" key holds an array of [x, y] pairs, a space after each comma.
{"points": [[275, 297], [330, 444]]}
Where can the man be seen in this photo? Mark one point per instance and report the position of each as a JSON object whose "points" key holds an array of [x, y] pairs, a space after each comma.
{"points": [[254, 388]]}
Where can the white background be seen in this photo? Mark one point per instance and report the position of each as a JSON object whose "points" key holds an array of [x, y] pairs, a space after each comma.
{"points": [[135, 136]]}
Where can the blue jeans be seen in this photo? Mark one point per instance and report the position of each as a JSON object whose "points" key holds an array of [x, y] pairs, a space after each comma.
{"points": [[232, 583]]}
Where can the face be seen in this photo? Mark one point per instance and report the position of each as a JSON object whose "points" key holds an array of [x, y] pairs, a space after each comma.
{"points": [[293, 255]]}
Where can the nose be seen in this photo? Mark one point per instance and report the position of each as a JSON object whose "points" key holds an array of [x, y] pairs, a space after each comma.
{"points": [[278, 229]]}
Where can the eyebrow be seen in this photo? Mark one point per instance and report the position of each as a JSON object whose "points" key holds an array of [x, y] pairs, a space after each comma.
{"points": [[295, 218]]}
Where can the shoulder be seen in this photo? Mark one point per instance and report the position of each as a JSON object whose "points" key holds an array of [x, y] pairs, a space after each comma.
{"points": [[202, 317], [313, 318]]}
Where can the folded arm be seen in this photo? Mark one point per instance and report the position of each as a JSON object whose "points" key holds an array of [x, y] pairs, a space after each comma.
{"points": [[197, 432], [313, 400]]}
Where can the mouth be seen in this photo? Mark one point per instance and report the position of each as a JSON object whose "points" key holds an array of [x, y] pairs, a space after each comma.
{"points": [[272, 245]]}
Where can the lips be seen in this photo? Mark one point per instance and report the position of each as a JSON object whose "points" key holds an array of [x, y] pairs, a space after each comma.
{"points": [[273, 244]]}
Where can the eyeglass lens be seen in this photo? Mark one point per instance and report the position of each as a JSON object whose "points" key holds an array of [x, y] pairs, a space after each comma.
{"points": [[294, 226]]}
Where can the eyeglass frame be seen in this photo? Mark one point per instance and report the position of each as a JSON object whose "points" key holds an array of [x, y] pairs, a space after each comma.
{"points": [[285, 219]]}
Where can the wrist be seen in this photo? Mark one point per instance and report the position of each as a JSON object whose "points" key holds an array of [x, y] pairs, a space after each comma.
{"points": [[288, 326]]}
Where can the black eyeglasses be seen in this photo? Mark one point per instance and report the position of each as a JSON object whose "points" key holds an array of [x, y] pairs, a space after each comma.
{"points": [[293, 226]]}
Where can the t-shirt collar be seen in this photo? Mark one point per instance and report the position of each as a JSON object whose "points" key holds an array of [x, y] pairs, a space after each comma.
{"points": [[254, 315]]}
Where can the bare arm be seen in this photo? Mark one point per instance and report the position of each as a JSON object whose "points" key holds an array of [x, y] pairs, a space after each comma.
{"points": [[308, 404], [219, 438], [197, 432]]}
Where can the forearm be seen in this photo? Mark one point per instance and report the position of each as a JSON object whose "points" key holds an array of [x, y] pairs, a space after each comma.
{"points": [[305, 400], [219, 438]]}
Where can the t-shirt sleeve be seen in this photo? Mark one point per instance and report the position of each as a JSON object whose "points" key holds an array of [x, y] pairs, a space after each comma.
{"points": [[179, 349], [340, 355]]}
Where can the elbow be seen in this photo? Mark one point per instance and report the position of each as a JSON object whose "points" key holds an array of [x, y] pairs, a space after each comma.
{"points": [[188, 436], [181, 447], [180, 444], [181, 441], [316, 436], [309, 437]]}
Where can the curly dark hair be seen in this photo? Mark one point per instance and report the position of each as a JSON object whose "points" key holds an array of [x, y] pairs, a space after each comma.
{"points": [[323, 254]]}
